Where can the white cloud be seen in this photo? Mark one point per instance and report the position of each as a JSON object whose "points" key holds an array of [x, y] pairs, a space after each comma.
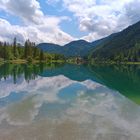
{"points": [[28, 10], [103, 17], [37, 33], [36, 26], [132, 11], [98, 18]]}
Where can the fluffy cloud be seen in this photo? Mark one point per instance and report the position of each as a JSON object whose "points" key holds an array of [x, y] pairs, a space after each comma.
{"points": [[97, 17], [132, 11], [103, 17], [28, 10], [36, 33], [100, 18], [36, 26]]}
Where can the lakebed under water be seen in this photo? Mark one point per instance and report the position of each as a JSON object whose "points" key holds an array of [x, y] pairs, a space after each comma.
{"points": [[69, 102]]}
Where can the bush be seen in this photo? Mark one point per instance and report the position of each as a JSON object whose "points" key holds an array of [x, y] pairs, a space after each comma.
{"points": [[1, 59], [29, 59]]}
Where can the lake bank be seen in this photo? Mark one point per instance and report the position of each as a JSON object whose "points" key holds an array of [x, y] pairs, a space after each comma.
{"points": [[113, 63], [24, 61], [68, 61]]}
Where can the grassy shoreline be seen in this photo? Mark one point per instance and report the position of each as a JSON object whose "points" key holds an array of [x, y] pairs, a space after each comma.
{"points": [[24, 61], [114, 63]]}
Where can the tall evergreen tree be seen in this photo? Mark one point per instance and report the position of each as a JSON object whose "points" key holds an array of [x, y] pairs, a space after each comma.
{"points": [[41, 55], [15, 51], [26, 49]]}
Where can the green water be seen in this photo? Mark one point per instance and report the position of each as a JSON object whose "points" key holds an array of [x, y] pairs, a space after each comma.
{"points": [[125, 79], [69, 102], [122, 78]]}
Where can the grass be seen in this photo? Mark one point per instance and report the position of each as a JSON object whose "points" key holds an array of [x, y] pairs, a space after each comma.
{"points": [[133, 63], [18, 61], [1, 63], [23, 61], [114, 62]]}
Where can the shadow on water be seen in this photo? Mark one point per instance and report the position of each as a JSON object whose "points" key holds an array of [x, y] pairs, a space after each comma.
{"points": [[123, 78]]}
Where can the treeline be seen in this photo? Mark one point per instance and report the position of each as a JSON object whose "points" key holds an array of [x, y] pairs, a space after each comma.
{"points": [[124, 55], [28, 52], [130, 55]]}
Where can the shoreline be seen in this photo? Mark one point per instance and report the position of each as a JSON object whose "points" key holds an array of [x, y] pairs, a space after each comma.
{"points": [[115, 63], [23, 61]]}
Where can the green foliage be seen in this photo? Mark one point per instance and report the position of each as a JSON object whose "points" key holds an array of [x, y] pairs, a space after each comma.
{"points": [[121, 47], [15, 50], [27, 52], [42, 57], [29, 59]]}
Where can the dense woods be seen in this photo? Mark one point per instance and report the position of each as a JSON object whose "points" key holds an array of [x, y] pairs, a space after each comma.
{"points": [[28, 52], [124, 55], [120, 47]]}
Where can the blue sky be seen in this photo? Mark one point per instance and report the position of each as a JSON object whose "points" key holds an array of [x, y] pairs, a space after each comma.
{"points": [[61, 21]]}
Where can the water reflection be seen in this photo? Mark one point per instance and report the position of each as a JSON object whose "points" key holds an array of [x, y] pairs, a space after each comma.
{"points": [[123, 78], [58, 105], [28, 71]]}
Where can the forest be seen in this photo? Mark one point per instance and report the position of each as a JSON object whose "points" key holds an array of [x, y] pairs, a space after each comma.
{"points": [[120, 47], [123, 55], [28, 52]]}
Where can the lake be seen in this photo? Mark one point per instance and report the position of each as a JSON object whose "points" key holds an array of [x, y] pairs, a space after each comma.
{"points": [[69, 102]]}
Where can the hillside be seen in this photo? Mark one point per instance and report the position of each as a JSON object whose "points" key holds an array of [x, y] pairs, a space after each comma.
{"points": [[122, 46], [74, 48], [50, 47]]}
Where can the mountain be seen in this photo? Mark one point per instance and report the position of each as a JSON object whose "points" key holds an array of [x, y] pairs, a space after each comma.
{"points": [[74, 48], [77, 48], [121, 46], [102, 40], [50, 47]]}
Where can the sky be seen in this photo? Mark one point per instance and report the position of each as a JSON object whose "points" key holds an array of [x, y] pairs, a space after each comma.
{"points": [[62, 21]]}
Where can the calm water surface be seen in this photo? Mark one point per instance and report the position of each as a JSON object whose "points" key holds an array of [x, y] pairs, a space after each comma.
{"points": [[69, 102]]}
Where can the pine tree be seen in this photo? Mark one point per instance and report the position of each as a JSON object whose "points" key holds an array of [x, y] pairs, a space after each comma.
{"points": [[15, 51], [41, 55], [26, 49]]}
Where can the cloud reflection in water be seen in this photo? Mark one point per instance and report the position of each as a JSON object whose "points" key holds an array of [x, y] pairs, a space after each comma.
{"points": [[59, 108]]}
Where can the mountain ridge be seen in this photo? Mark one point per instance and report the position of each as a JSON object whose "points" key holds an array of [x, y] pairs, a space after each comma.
{"points": [[74, 48], [123, 46], [103, 49]]}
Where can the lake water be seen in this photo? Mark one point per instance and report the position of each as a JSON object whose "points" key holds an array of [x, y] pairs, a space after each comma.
{"points": [[69, 102]]}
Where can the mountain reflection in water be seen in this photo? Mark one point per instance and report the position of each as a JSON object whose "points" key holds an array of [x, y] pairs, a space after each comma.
{"points": [[69, 102]]}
